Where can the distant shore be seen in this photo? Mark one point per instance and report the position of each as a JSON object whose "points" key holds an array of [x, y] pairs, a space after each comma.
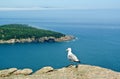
{"points": [[22, 33], [40, 40]]}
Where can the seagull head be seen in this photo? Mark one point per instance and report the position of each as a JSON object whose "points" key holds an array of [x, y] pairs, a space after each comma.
{"points": [[68, 49]]}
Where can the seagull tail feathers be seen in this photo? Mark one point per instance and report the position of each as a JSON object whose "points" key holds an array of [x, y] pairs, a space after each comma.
{"points": [[79, 62]]}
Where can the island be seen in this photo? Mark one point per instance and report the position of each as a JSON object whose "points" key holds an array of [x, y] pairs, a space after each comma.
{"points": [[22, 33]]}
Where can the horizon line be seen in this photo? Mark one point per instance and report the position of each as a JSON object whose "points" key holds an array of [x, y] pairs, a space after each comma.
{"points": [[49, 8]]}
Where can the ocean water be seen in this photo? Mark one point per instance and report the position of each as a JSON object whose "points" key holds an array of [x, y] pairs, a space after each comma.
{"points": [[97, 40]]}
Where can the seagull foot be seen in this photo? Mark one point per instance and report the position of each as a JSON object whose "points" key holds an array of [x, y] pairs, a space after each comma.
{"points": [[76, 66]]}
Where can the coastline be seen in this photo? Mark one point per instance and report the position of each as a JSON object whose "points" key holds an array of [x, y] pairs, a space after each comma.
{"points": [[70, 72], [41, 40]]}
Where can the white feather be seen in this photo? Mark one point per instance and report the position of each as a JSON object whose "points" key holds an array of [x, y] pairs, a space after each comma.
{"points": [[71, 56]]}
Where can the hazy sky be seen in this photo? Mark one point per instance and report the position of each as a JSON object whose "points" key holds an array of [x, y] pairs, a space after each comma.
{"points": [[81, 4]]}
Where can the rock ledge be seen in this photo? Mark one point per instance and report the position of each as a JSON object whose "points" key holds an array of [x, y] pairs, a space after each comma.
{"points": [[71, 72]]}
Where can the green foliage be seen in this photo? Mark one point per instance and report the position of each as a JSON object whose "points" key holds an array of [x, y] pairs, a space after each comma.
{"points": [[18, 31]]}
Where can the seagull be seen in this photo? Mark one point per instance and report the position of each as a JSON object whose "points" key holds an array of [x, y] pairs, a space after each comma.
{"points": [[71, 56]]}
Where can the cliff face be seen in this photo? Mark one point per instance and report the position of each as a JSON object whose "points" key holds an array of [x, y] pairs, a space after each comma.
{"points": [[71, 72], [42, 39]]}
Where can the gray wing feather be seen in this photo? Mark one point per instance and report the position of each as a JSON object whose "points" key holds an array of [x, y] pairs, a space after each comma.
{"points": [[72, 57]]}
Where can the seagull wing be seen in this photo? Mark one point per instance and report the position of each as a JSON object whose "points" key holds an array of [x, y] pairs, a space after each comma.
{"points": [[72, 57]]}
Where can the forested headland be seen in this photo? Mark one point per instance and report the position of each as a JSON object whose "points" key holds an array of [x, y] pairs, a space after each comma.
{"points": [[13, 33]]}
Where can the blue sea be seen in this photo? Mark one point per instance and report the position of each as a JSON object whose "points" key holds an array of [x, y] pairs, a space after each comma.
{"points": [[97, 40]]}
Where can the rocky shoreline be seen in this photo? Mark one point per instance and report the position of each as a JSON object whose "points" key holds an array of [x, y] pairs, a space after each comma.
{"points": [[43, 39], [70, 72]]}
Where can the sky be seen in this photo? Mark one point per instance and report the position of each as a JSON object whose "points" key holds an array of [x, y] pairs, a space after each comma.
{"points": [[69, 4]]}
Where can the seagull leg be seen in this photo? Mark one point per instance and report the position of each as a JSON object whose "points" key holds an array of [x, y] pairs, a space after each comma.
{"points": [[71, 63], [77, 63], [76, 66]]}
